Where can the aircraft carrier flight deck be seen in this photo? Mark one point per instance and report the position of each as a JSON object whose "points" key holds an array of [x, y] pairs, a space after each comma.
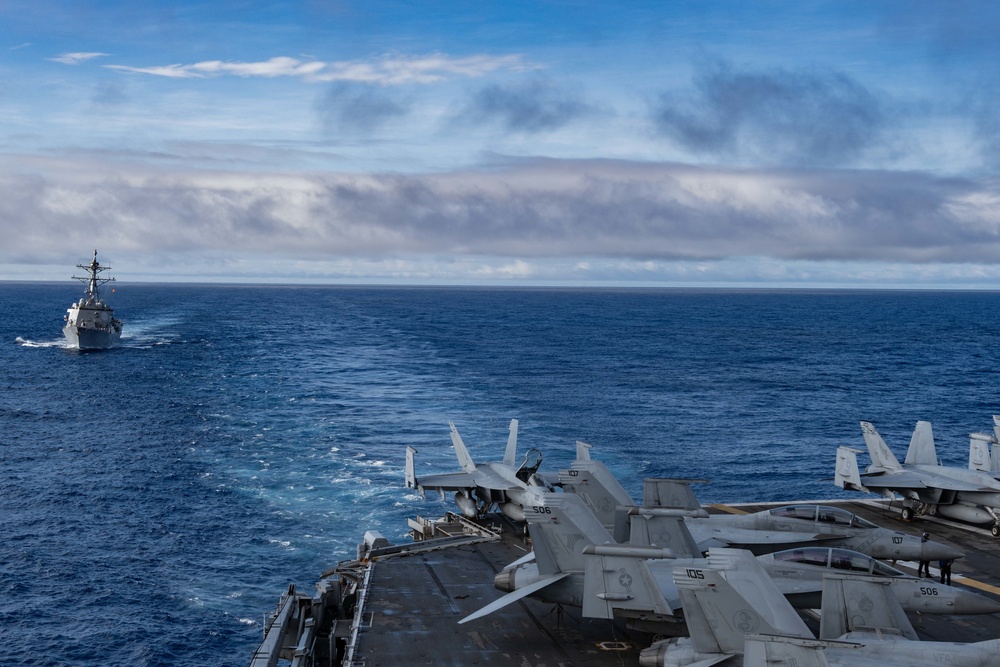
{"points": [[401, 604]]}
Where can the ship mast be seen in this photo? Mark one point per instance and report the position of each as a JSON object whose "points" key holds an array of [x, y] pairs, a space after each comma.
{"points": [[94, 281]]}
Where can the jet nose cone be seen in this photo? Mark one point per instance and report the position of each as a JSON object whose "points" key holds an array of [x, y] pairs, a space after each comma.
{"points": [[936, 551], [967, 602]]}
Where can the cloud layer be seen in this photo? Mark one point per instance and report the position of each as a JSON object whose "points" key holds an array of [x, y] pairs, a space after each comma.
{"points": [[550, 209]]}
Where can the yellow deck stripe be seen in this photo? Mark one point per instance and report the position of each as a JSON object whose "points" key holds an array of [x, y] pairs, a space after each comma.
{"points": [[976, 584], [727, 508]]}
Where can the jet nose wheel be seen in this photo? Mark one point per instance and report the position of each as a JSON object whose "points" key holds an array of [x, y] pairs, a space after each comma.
{"points": [[995, 530], [907, 515]]}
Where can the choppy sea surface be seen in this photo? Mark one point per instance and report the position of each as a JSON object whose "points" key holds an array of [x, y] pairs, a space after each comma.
{"points": [[156, 498]]}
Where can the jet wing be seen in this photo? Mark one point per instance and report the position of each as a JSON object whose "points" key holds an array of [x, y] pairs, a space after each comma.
{"points": [[917, 481], [482, 477], [903, 480], [455, 481], [952, 484]]}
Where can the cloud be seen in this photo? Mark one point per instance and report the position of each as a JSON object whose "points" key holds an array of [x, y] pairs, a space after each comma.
{"points": [[357, 107], [776, 117], [578, 210], [77, 58], [532, 106], [389, 70]]}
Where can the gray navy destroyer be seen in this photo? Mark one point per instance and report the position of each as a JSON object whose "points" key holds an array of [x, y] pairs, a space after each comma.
{"points": [[91, 323]]}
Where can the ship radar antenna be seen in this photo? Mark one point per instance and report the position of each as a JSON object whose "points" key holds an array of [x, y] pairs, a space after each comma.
{"points": [[93, 280]]}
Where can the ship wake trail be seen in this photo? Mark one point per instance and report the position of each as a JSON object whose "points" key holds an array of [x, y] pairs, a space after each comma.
{"points": [[24, 342]]}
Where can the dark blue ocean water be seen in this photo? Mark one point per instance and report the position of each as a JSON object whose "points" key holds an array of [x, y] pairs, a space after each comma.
{"points": [[158, 497]]}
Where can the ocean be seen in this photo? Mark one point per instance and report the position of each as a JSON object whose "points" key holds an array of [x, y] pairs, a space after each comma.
{"points": [[158, 497]]}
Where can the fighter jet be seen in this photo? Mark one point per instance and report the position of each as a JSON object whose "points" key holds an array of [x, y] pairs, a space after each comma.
{"points": [[803, 525], [738, 616], [577, 563], [762, 532], [861, 625], [927, 487], [479, 487]]}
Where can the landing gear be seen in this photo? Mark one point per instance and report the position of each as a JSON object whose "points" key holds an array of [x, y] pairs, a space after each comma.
{"points": [[995, 530], [907, 514]]}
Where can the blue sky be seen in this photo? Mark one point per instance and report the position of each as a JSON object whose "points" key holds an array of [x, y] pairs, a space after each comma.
{"points": [[661, 143]]}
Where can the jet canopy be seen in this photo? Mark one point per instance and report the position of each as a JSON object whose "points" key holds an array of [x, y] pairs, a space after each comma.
{"points": [[838, 559], [823, 514]]}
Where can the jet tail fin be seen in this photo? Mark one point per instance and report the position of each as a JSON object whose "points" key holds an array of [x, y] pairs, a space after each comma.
{"points": [[560, 528], [461, 452], [921, 450], [882, 456], [409, 474], [847, 475], [510, 454], [597, 486], [718, 596], [855, 602]]}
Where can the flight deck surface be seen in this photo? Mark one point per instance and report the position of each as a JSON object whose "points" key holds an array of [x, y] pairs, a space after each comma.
{"points": [[413, 604], [417, 601]]}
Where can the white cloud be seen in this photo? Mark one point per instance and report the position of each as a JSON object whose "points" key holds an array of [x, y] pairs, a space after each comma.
{"points": [[77, 58], [390, 70]]}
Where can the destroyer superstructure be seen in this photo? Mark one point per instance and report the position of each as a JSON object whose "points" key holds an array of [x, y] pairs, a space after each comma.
{"points": [[91, 323]]}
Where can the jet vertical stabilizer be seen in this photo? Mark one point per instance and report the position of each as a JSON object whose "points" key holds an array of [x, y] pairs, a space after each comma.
{"points": [[410, 475], [461, 452], [857, 602], [597, 486], [560, 529], [921, 450], [882, 457], [721, 591], [510, 454], [847, 474]]}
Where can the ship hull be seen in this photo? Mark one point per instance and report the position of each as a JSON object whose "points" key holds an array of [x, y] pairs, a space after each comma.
{"points": [[90, 339]]}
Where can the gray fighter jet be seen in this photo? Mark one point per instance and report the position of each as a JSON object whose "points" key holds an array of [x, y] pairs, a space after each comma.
{"points": [[802, 525], [761, 532], [577, 563], [739, 618], [477, 488], [862, 625], [927, 487]]}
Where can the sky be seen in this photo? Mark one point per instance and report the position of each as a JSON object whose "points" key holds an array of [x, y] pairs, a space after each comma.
{"points": [[698, 143]]}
